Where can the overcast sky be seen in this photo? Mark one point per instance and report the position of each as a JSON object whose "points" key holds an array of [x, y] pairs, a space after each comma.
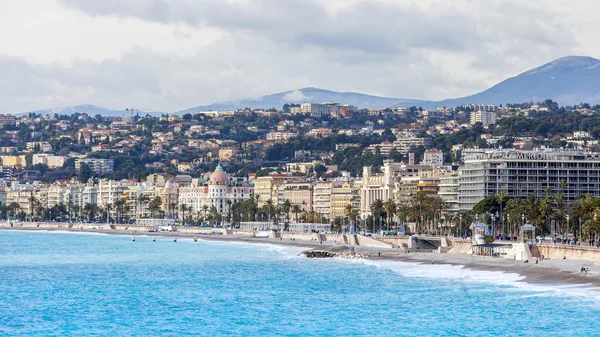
{"points": [[168, 55]]}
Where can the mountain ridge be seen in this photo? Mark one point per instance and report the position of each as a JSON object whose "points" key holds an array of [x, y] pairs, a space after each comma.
{"points": [[568, 80]]}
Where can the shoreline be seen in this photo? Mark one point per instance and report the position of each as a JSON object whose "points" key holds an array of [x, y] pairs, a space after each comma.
{"points": [[545, 273]]}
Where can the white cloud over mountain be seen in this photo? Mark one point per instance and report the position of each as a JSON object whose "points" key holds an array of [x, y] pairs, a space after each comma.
{"points": [[169, 55]]}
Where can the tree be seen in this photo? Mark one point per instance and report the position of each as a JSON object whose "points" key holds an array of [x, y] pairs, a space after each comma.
{"points": [[296, 209], [119, 206], [85, 172], [91, 209], [390, 210], [142, 199], [377, 210], [184, 208], [154, 206]]}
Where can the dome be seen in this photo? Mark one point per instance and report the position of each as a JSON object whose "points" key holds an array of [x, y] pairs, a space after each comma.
{"points": [[219, 177], [170, 187]]}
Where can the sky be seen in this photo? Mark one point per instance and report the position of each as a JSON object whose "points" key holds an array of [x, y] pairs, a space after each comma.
{"points": [[169, 55]]}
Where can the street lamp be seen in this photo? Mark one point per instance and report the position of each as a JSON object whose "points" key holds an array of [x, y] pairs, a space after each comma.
{"points": [[508, 218]]}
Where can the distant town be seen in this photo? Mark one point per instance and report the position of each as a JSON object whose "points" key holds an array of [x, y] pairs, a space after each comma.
{"points": [[332, 164]]}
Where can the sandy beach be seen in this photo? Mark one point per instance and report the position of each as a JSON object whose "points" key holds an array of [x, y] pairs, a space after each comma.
{"points": [[549, 271]]}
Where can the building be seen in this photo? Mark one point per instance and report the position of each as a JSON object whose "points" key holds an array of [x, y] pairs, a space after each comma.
{"points": [[433, 157], [98, 166], [484, 117], [383, 185], [49, 160], [227, 153], [518, 173], [344, 191], [322, 199], [281, 135], [7, 119], [314, 109], [40, 146], [299, 193], [448, 190], [220, 192], [14, 161]]}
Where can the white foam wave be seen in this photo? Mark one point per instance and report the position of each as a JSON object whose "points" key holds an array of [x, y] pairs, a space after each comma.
{"points": [[463, 274]]}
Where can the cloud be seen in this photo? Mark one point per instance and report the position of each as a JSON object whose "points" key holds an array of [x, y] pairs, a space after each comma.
{"points": [[295, 96], [171, 55]]}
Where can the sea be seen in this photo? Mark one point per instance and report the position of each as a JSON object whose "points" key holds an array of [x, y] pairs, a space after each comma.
{"points": [[71, 284]]}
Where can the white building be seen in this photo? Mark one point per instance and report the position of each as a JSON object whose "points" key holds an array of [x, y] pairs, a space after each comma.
{"points": [[516, 173], [99, 166], [314, 109], [433, 157], [47, 159], [221, 192], [281, 135], [484, 117]]}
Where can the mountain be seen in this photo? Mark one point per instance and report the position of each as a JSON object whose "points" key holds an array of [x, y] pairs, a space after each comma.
{"points": [[568, 81], [90, 110], [314, 95]]}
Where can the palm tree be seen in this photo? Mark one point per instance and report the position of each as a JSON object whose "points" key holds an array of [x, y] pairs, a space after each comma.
{"points": [[390, 210], [32, 200], [229, 209], [154, 206], [90, 209], [120, 208], [296, 209], [13, 207], [172, 208], [184, 208], [285, 208], [419, 207], [204, 211], [142, 199], [376, 210]]}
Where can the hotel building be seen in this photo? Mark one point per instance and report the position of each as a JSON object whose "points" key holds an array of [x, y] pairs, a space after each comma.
{"points": [[522, 173]]}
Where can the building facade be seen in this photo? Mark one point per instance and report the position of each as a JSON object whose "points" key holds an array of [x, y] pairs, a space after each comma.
{"points": [[521, 173]]}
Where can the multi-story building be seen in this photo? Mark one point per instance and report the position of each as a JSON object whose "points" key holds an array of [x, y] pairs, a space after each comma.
{"points": [[221, 192], [322, 198], [99, 166], [14, 161], [517, 173], [281, 135], [484, 117], [433, 157], [314, 109], [383, 185], [448, 192], [266, 188], [51, 161], [344, 191], [227, 153], [299, 193], [41, 146], [7, 119]]}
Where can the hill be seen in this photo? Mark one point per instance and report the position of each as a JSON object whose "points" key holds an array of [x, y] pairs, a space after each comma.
{"points": [[314, 95], [568, 81]]}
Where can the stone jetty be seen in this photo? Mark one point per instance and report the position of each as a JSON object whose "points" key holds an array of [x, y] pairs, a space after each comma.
{"points": [[320, 254]]}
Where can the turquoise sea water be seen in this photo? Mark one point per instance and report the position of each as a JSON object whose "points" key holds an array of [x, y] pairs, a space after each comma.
{"points": [[63, 284]]}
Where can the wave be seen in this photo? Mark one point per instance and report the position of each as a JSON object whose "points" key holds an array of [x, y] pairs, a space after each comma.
{"points": [[464, 274]]}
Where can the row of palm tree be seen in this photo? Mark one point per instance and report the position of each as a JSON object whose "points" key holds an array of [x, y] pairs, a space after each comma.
{"points": [[426, 212]]}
